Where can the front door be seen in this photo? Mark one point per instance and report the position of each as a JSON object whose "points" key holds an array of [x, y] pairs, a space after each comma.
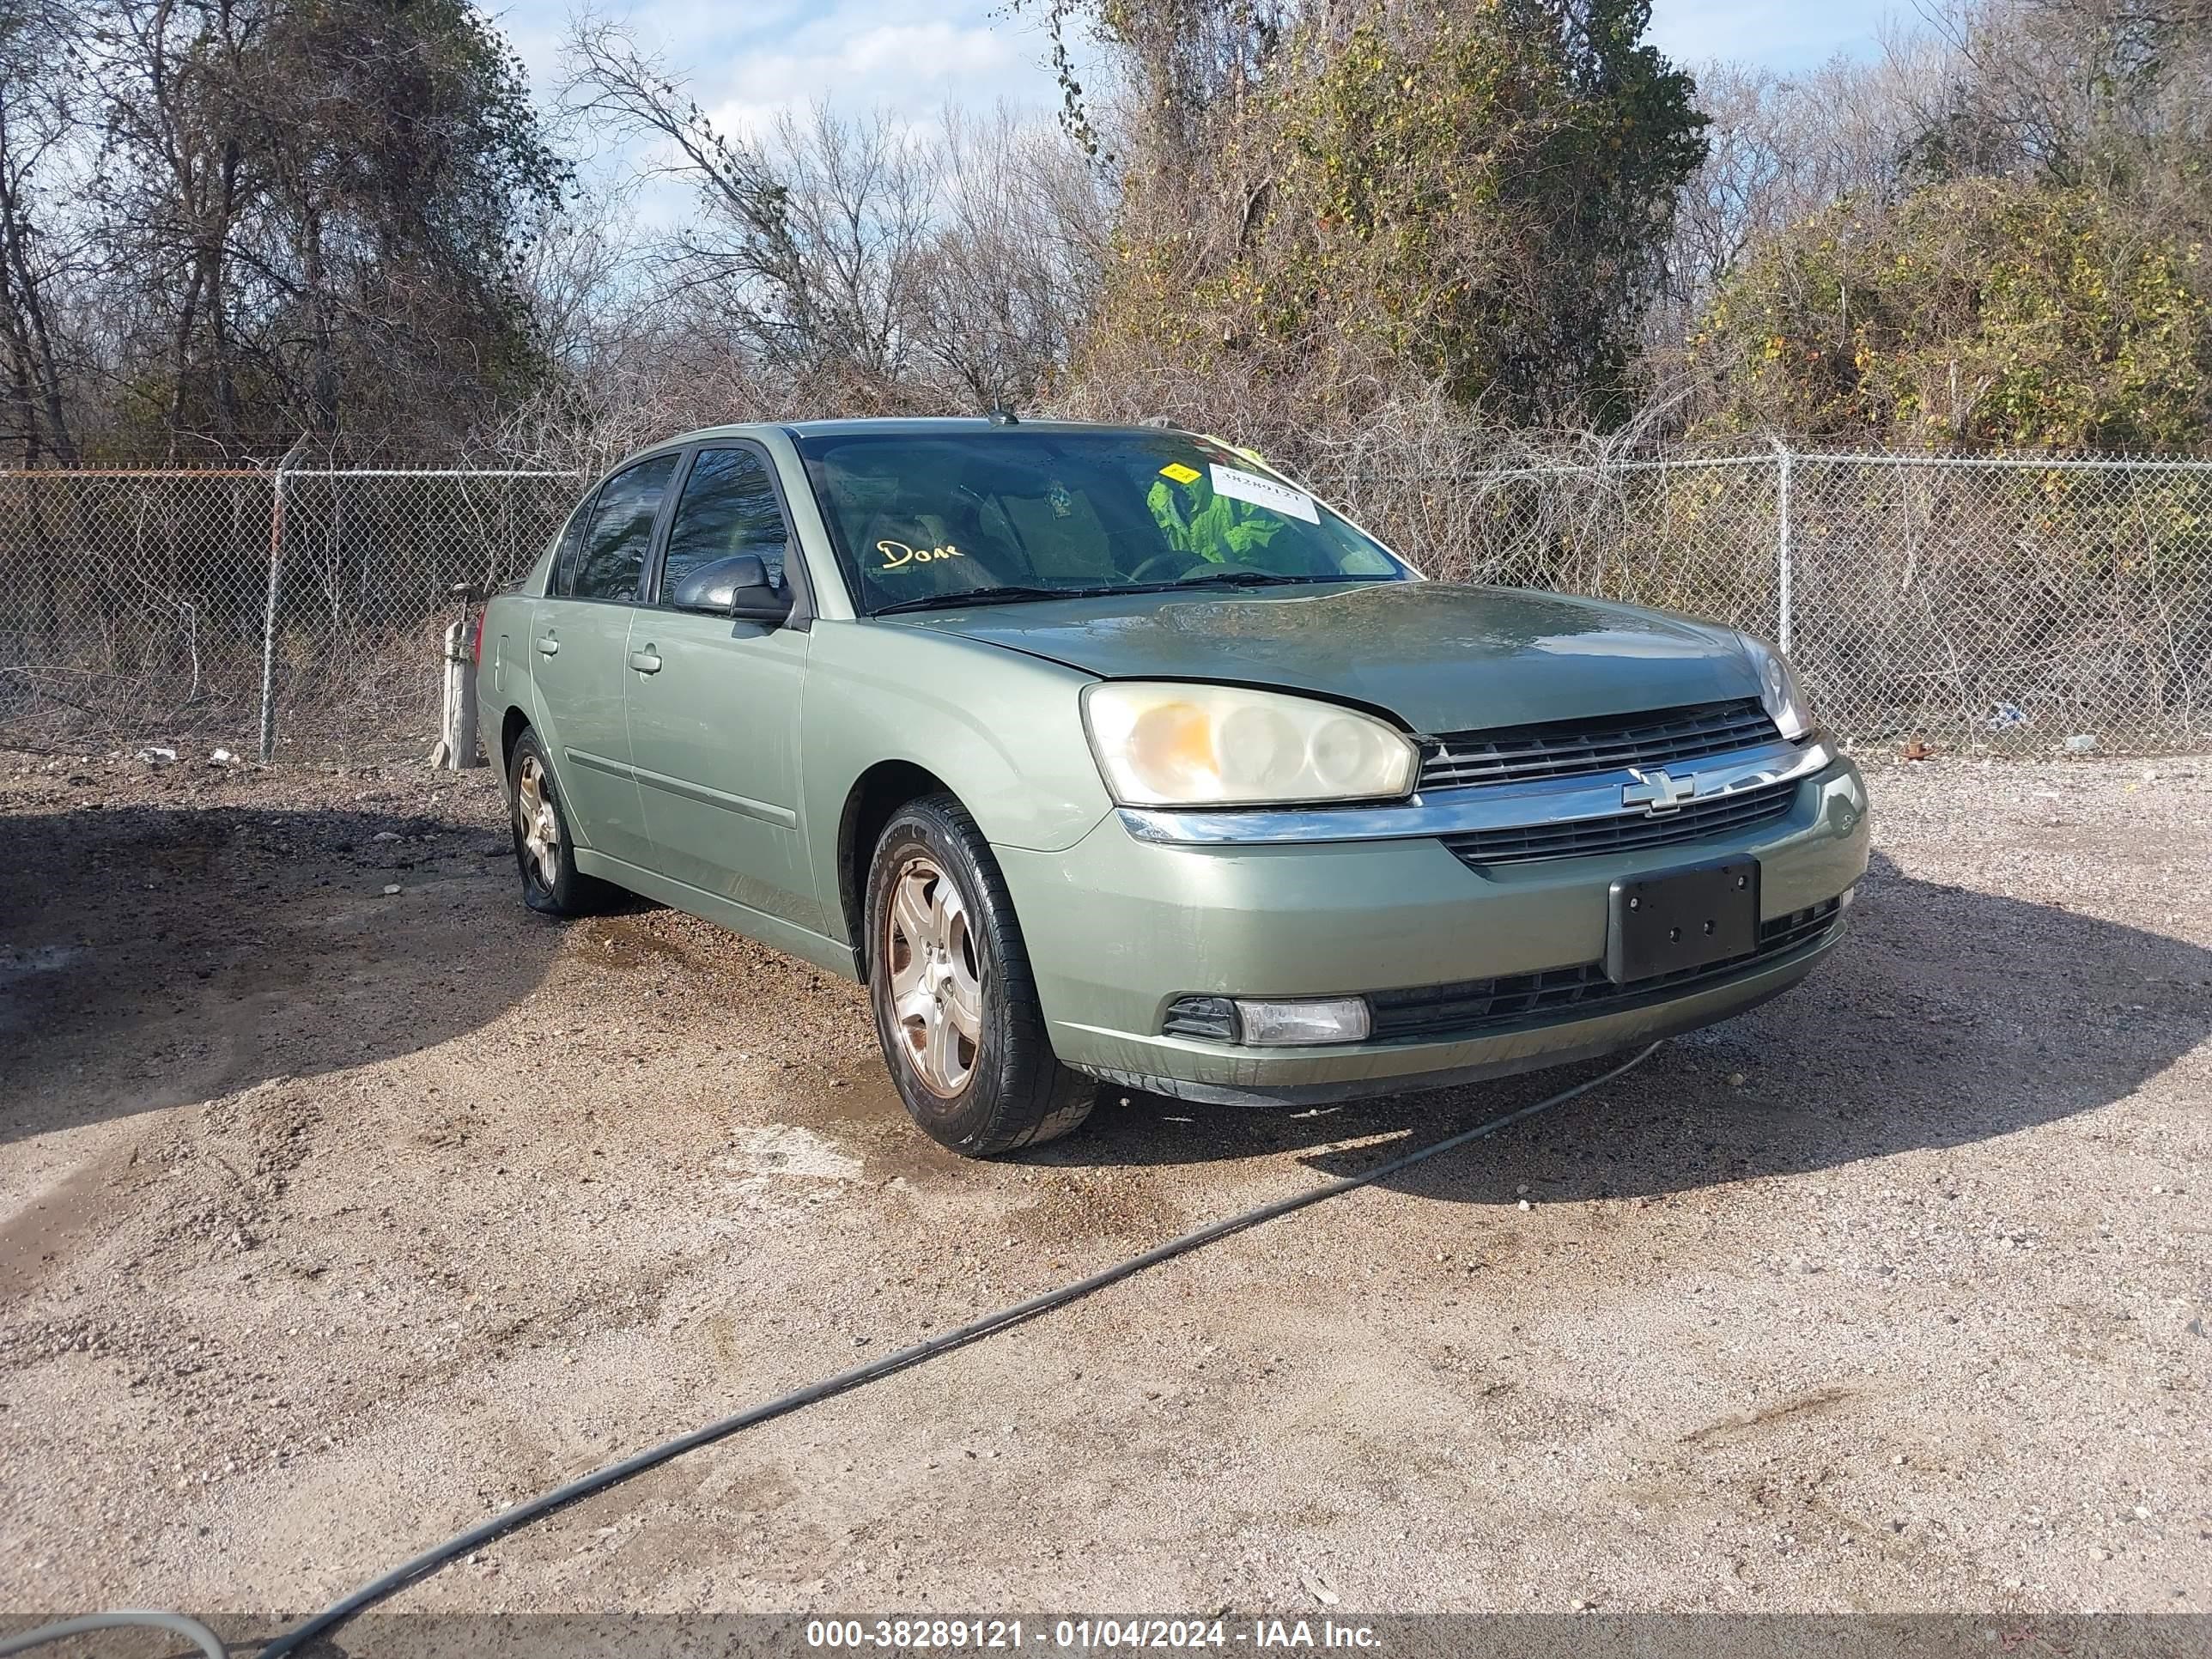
{"points": [[581, 657], [714, 704]]}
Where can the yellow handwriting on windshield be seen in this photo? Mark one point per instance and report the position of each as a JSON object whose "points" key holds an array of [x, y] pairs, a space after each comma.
{"points": [[899, 553]]}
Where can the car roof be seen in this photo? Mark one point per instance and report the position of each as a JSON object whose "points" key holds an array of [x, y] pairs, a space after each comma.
{"points": [[910, 426]]}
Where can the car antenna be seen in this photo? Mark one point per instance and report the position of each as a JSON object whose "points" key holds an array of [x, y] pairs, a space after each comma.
{"points": [[1004, 416]]}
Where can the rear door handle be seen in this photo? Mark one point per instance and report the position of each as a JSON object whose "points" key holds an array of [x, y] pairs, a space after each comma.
{"points": [[647, 661], [546, 645]]}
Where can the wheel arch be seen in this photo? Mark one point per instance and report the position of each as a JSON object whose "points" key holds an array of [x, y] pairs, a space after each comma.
{"points": [[876, 794], [512, 726]]}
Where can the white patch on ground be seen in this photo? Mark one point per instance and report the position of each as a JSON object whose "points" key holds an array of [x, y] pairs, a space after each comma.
{"points": [[39, 959], [785, 1151], [17, 964]]}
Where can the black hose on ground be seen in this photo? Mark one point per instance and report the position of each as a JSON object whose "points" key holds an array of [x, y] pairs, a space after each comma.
{"points": [[576, 1491], [537, 1509]]}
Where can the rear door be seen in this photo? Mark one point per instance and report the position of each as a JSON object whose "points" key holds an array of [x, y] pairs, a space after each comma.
{"points": [[579, 654], [714, 704]]}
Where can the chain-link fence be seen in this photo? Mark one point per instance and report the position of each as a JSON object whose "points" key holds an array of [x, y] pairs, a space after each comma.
{"points": [[2013, 602], [2009, 602], [165, 607]]}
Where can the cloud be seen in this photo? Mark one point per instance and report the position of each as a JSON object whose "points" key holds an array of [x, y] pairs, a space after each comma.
{"points": [[909, 69], [748, 66]]}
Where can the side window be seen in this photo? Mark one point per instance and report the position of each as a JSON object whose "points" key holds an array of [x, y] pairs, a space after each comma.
{"points": [[728, 507], [610, 562], [564, 557]]}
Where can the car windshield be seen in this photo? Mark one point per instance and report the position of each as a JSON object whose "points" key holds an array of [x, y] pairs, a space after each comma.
{"points": [[943, 519]]}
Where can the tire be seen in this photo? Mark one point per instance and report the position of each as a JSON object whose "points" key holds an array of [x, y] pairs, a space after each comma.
{"points": [[551, 884], [942, 943]]}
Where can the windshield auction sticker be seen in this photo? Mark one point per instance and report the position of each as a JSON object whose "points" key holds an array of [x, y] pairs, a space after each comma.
{"points": [[1265, 492]]}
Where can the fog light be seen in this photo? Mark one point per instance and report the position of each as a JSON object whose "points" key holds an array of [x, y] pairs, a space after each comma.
{"points": [[1269, 1023]]}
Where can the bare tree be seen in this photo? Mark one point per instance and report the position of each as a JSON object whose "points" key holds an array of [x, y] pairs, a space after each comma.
{"points": [[1013, 263], [172, 185], [745, 251], [41, 74], [857, 263], [310, 214], [860, 198], [2089, 92]]}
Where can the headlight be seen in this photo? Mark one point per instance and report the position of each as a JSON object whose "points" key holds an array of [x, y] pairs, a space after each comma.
{"points": [[1222, 746], [1778, 690]]}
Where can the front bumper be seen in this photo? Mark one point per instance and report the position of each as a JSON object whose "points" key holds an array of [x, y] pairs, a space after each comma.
{"points": [[1118, 927]]}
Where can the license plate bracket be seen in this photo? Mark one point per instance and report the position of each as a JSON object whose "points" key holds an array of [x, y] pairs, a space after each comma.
{"points": [[1682, 918]]}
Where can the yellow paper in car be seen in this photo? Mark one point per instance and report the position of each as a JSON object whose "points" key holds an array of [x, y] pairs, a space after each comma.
{"points": [[1180, 473]]}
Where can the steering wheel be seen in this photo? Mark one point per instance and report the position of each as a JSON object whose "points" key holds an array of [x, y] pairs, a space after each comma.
{"points": [[1189, 564]]}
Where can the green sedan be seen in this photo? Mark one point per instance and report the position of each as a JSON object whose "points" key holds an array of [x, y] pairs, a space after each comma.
{"points": [[1111, 753]]}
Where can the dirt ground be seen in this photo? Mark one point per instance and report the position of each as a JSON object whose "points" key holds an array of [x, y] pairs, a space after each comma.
{"points": [[333, 1220]]}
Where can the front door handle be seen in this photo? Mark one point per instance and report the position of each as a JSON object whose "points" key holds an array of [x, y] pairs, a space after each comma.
{"points": [[548, 645], [647, 661]]}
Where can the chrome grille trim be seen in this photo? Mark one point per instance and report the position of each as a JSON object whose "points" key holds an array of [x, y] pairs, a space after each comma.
{"points": [[1575, 747], [1447, 812], [1629, 832]]}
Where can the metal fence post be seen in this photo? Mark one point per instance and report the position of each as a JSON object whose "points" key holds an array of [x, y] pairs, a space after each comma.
{"points": [[1783, 574], [269, 614]]}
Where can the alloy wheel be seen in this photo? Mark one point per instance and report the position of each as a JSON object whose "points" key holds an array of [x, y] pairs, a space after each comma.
{"points": [[536, 824], [936, 976]]}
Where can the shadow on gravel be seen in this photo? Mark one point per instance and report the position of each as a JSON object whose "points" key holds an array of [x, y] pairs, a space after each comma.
{"points": [[152, 955], [1947, 1016]]}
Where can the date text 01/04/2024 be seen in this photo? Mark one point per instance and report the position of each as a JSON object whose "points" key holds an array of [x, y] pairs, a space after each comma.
{"points": [[1087, 1634]]}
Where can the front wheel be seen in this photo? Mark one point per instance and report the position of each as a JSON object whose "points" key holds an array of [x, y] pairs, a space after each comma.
{"points": [[956, 1005]]}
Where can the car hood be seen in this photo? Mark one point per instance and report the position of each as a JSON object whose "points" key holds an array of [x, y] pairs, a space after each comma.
{"points": [[1442, 656]]}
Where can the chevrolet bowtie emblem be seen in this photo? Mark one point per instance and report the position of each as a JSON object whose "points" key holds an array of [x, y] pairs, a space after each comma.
{"points": [[1656, 791]]}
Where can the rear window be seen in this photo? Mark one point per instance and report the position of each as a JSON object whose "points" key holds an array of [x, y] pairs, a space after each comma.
{"points": [[926, 517], [609, 561]]}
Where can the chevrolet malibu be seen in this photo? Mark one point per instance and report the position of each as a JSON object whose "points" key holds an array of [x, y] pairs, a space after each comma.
{"points": [[1104, 753]]}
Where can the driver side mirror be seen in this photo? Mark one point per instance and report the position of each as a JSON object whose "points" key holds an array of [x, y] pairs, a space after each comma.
{"points": [[737, 587]]}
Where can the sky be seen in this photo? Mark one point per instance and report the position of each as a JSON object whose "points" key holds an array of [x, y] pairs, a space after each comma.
{"points": [[747, 63]]}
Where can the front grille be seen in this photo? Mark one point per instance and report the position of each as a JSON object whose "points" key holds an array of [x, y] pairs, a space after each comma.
{"points": [[1563, 993], [1695, 820], [1566, 749]]}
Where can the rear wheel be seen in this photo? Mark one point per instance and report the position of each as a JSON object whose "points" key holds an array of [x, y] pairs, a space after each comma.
{"points": [[955, 1002], [544, 850]]}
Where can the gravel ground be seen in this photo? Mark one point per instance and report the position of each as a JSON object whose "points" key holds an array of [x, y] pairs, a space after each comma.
{"points": [[336, 1218]]}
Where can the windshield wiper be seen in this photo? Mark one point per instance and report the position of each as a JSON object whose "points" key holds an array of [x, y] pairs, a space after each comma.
{"points": [[1017, 591], [993, 596], [1245, 579]]}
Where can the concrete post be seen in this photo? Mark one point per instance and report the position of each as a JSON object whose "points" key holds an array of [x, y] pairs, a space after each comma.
{"points": [[457, 726]]}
